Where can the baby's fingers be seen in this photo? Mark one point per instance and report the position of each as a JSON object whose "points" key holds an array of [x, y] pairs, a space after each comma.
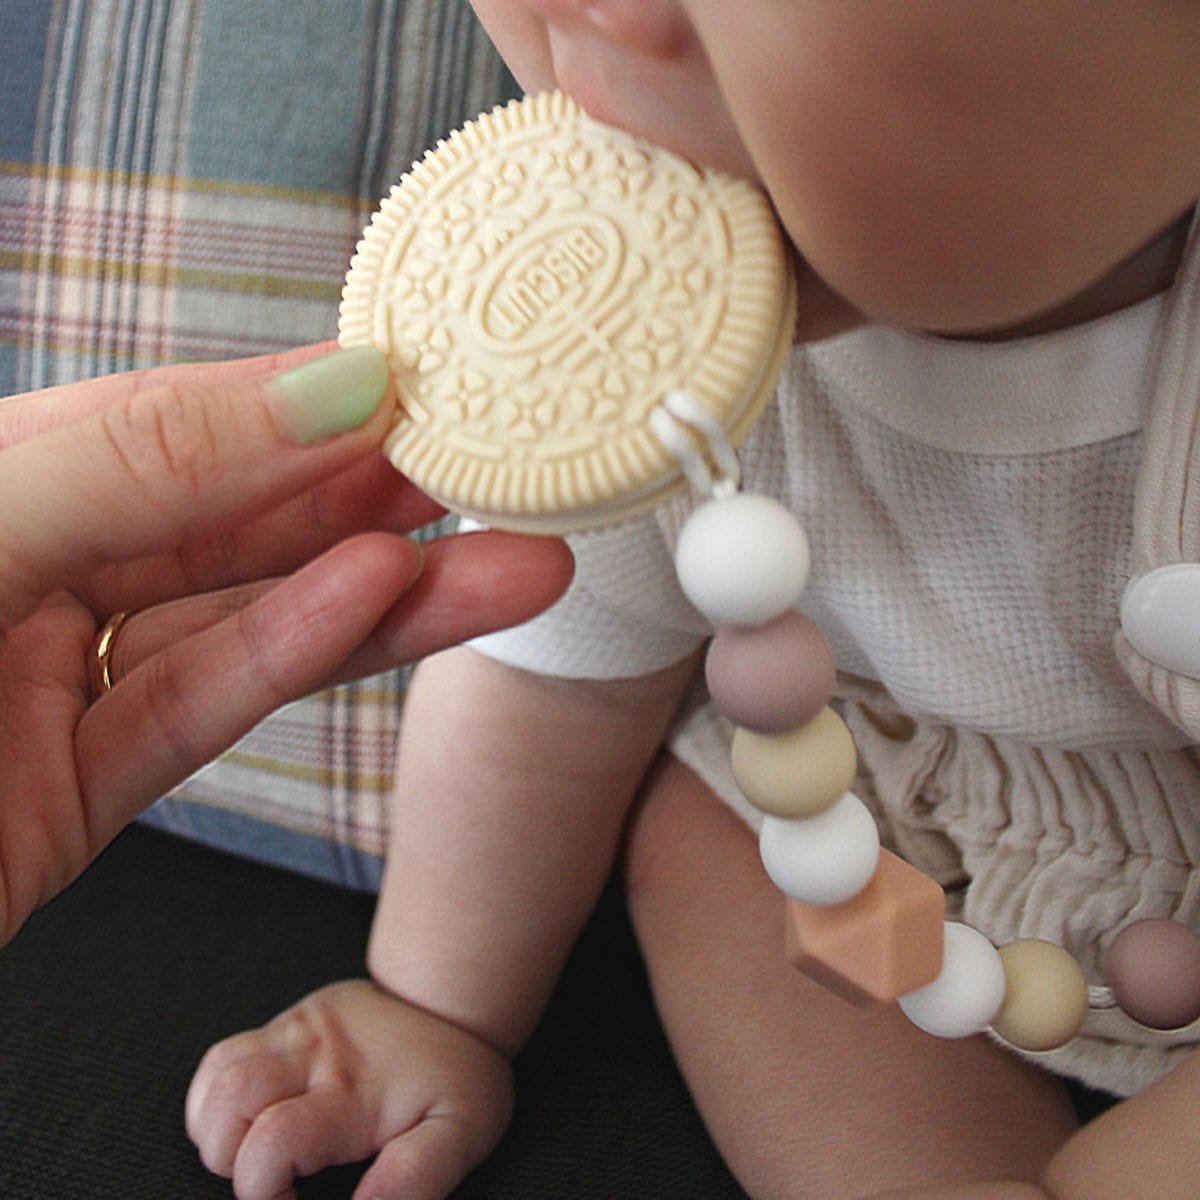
{"points": [[230, 1089], [323, 1127], [428, 1161]]}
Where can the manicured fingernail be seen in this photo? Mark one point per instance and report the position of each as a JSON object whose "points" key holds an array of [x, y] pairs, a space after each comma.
{"points": [[329, 395]]}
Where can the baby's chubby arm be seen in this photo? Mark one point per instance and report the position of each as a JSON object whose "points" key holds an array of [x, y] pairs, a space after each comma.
{"points": [[511, 795], [1146, 1147]]}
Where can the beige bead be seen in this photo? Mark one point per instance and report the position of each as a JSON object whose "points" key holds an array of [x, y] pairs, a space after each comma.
{"points": [[799, 773], [1045, 999]]}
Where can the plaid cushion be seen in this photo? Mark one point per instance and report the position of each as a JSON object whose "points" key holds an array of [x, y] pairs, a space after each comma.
{"points": [[185, 180]]}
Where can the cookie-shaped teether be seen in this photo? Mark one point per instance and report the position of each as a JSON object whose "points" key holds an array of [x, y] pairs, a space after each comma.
{"points": [[539, 282]]}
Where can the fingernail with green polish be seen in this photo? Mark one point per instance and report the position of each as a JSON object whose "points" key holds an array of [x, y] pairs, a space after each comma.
{"points": [[329, 395]]}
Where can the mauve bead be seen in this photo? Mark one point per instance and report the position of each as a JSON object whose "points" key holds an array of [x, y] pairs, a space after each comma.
{"points": [[773, 677], [1153, 968]]}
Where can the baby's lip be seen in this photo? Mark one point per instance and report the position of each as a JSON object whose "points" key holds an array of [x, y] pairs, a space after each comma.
{"points": [[653, 30]]}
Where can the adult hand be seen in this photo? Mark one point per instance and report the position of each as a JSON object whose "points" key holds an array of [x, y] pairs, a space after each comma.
{"points": [[242, 516]]}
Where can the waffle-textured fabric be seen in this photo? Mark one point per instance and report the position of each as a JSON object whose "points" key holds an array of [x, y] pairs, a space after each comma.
{"points": [[184, 180]]}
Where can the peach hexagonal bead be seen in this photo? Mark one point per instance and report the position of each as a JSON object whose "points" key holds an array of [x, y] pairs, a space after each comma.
{"points": [[877, 946]]}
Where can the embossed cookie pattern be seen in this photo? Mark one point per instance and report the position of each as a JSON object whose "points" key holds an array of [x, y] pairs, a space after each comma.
{"points": [[539, 281]]}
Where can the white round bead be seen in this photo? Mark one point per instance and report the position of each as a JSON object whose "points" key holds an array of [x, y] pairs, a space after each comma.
{"points": [[968, 991], [1159, 616], [824, 859], [742, 559]]}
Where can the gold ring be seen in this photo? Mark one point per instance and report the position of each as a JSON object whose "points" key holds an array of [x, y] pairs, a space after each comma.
{"points": [[102, 665]]}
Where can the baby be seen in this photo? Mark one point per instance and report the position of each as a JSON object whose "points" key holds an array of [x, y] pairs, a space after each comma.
{"points": [[990, 205]]}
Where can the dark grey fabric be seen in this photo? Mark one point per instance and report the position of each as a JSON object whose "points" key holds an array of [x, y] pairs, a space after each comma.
{"points": [[109, 996]]}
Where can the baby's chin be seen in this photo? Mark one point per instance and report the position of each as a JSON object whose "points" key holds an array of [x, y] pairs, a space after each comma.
{"points": [[820, 311]]}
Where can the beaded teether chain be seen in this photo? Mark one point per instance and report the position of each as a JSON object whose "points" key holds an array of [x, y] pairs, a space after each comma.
{"points": [[860, 920]]}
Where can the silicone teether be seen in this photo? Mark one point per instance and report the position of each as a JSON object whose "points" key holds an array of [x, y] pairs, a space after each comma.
{"points": [[539, 282]]}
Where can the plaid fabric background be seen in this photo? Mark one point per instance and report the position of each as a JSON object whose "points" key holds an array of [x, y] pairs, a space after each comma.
{"points": [[185, 180]]}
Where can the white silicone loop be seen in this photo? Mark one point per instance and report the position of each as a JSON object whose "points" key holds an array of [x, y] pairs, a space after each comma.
{"points": [[674, 422]]}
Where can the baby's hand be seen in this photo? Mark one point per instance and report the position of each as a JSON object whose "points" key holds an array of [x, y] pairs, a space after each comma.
{"points": [[348, 1072]]}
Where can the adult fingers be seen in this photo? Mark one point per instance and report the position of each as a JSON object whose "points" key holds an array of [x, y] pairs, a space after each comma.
{"points": [[144, 633], [470, 584], [370, 495], [29, 413], [174, 461], [192, 700]]}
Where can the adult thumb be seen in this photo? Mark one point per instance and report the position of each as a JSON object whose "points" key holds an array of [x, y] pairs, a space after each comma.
{"points": [[177, 459]]}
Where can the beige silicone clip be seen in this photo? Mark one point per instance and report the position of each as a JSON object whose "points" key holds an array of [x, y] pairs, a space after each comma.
{"points": [[540, 283]]}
